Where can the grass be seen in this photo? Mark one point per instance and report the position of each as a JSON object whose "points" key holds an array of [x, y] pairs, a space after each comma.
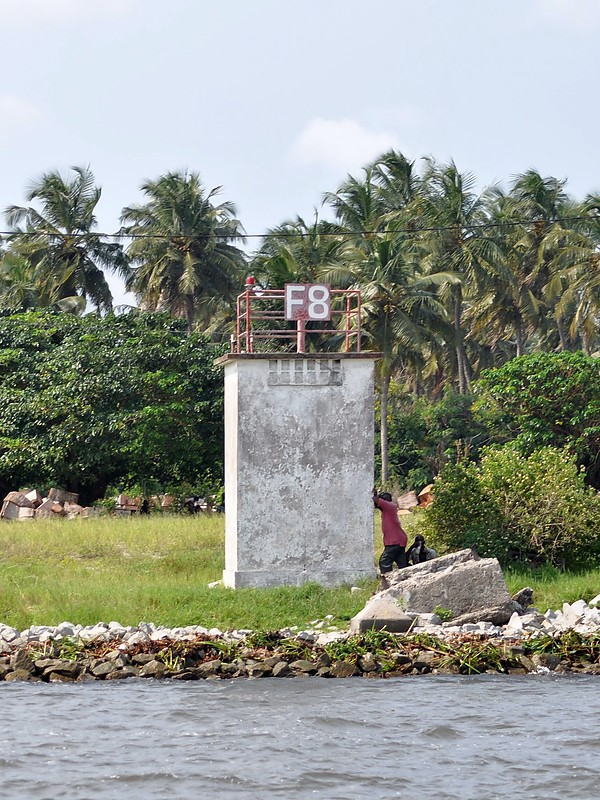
{"points": [[157, 569], [153, 569]]}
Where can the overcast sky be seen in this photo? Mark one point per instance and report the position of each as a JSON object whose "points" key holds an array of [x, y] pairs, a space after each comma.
{"points": [[278, 100]]}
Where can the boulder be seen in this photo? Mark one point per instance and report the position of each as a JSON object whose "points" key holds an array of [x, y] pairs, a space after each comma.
{"points": [[461, 582]]}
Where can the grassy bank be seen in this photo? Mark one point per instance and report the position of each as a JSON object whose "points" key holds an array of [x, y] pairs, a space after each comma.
{"points": [[153, 569], [157, 569]]}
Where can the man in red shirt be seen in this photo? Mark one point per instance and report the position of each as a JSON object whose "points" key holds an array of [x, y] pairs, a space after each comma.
{"points": [[394, 537]]}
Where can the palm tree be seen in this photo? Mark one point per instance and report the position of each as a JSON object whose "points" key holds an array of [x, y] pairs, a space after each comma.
{"points": [[401, 313], [401, 316], [18, 285], [296, 252], [182, 247], [540, 204], [453, 239], [575, 271], [506, 312], [58, 240]]}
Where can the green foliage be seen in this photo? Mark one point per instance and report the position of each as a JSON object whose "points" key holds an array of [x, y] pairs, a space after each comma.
{"points": [[546, 399], [88, 402], [530, 509], [426, 435], [445, 614]]}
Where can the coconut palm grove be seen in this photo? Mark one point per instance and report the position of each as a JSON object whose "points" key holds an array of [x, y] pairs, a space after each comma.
{"points": [[484, 305]]}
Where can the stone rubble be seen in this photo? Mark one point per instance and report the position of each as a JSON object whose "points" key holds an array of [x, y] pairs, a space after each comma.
{"points": [[36, 654]]}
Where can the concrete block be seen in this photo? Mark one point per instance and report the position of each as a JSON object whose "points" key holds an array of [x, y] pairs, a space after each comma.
{"points": [[382, 614]]}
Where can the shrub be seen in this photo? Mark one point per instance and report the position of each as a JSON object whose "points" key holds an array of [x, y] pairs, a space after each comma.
{"points": [[532, 509]]}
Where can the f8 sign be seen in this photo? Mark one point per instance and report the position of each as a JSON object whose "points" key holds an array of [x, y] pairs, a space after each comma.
{"points": [[307, 301]]}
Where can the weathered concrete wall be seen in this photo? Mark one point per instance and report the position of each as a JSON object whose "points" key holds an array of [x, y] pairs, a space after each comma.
{"points": [[298, 469]]}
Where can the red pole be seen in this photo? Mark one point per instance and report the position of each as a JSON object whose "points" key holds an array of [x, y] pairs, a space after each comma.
{"points": [[248, 339]]}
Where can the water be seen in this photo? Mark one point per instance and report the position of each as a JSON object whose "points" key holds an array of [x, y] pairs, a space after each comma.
{"points": [[422, 738]]}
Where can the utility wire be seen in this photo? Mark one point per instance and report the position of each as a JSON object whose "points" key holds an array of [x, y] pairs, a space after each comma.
{"points": [[301, 234]]}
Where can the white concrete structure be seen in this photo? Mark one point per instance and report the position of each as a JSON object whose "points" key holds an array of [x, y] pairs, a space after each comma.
{"points": [[298, 468]]}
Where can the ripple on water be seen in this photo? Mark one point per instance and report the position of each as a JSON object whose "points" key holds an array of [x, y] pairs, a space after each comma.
{"points": [[446, 738]]}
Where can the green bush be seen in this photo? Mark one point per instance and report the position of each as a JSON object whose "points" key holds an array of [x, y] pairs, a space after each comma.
{"points": [[545, 400], [532, 509]]}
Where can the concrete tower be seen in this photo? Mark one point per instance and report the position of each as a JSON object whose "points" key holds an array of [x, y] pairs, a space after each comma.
{"points": [[299, 444]]}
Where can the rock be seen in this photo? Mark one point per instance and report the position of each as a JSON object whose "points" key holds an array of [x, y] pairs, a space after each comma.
{"points": [[8, 634], [423, 660], [153, 669], [259, 670], [102, 669], [323, 660], [125, 672], [34, 497], [22, 675], [19, 499], [281, 669], [60, 677], [497, 615], [58, 666], [524, 597], [342, 669], [407, 501], [4, 670], [303, 665], [13, 511], [72, 509], [368, 663], [143, 658], [547, 660], [381, 613], [209, 668], [461, 582], [85, 677], [137, 638], [20, 661]]}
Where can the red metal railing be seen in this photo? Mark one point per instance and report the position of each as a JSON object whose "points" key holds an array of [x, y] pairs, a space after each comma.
{"points": [[261, 316]]}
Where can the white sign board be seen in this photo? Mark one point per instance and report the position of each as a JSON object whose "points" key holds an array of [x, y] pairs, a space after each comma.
{"points": [[307, 301]]}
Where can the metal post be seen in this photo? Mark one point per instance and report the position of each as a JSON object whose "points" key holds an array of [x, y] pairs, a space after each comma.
{"points": [[248, 326], [300, 336]]}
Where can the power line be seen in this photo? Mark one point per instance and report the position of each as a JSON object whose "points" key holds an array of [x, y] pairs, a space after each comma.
{"points": [[413, 231]]}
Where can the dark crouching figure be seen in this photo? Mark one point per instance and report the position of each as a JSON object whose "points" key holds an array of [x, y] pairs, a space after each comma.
{"points": [[419, 552], [394, 537]]}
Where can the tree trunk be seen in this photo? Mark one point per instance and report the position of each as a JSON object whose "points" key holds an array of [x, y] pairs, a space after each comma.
{"points": [[562, 334], [585, 341], [461, 355], [520, 338], [385, 391], [190, 312]]}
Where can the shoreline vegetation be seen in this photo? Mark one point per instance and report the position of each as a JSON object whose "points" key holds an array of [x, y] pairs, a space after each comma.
{"points": [[375, 654], [159, 568]]}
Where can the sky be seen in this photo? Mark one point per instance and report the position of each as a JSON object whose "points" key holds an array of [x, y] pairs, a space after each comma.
{"points": [[278, 101]]}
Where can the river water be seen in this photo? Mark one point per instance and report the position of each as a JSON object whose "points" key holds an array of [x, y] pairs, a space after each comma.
{"points": [[427, 738]]}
